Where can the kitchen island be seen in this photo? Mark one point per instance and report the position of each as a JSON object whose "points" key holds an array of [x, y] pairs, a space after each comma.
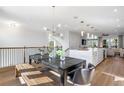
{"points": [[91, 55]]}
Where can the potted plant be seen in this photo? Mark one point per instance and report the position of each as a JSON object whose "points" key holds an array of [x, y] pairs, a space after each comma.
{"points": [[60, 54]]}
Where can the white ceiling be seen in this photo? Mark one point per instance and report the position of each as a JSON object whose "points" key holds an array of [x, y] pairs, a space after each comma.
{"points": [[103, 19]]}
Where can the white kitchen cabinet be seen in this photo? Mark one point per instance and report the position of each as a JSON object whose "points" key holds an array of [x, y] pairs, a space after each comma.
{"points": [[91, 55]]}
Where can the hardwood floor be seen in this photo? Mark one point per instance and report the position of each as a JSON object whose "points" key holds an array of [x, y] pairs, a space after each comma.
{"points": [[7, 77], [109, 73]]}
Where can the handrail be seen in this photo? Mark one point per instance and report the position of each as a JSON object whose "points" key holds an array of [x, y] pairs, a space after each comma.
{"points": [[27, 47]]}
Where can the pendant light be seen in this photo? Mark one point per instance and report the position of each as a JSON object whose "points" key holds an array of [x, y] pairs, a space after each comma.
{"points": [[82, 33], [53, 25]]}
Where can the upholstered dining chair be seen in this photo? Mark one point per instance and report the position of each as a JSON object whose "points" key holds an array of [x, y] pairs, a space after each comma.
{"points": [[83, 76]]}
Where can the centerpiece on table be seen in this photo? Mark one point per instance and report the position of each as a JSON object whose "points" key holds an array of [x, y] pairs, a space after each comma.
{"points": [[60, 54]]}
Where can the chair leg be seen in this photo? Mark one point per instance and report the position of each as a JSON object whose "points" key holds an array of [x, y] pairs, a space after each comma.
{"points": [[16, 73]]}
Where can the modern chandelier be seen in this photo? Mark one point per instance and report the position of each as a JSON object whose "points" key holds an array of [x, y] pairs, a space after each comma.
{"points": [[54, 31]]}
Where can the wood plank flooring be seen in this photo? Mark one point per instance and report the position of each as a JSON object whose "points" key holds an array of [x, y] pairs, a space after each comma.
{"points": [[7, 77], [109, 73]]}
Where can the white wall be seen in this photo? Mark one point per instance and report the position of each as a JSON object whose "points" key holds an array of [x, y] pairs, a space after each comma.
{"points": [[65, 40], [74, 40], [22, 37]]}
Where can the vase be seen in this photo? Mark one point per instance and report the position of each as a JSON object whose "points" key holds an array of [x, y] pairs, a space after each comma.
{"points": [[62, 58]]}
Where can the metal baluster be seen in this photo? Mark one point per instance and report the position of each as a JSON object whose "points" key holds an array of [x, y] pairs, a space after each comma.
{"points": [[10, 56], [18, 56], [21, 55], [24, 54], [6, 55], [14, 62], [15, 56]]}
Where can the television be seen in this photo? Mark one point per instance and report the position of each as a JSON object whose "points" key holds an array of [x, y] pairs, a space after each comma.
{"points": [[83, 41]]}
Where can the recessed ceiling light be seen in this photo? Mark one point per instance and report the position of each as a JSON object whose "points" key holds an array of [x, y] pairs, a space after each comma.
{"points": [[53, 6], [75, 17], [82, 21], [88, 25], [92, 27], [115, 10]]}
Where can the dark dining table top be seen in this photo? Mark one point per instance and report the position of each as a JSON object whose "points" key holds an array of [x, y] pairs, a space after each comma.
{"points": [[58, 64]]}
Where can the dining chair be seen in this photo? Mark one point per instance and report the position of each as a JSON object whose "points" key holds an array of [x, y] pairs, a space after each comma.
{"points": [[83, 76]]}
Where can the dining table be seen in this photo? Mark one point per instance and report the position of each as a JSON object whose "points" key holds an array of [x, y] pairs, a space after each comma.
{"points": [[63, 67]]}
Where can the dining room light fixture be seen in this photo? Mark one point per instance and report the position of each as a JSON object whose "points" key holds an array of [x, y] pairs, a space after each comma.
{"points": [[61, 35], [95, 37], [82, 33], [92, 36], [88, 35], [12, 24], [54, 28]]}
